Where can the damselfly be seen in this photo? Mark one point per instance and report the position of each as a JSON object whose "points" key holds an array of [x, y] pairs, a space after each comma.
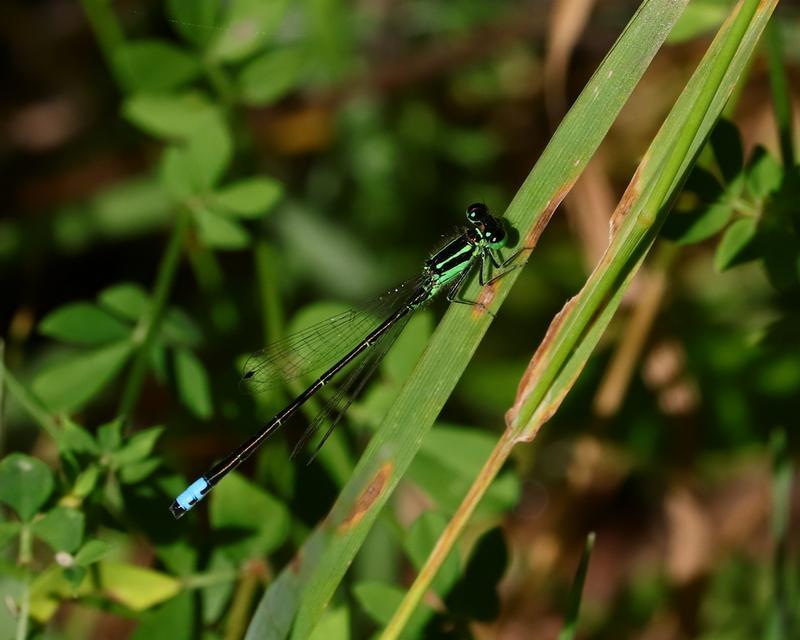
{"points": [[358, 339]]}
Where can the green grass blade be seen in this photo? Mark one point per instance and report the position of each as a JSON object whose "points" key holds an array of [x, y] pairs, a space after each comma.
{"points": [[572, 337], [782, 619], [324, 558], [574, 333], [781, 94], [575, 593]]}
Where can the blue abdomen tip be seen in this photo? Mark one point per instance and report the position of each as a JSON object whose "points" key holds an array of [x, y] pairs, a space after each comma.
{"points": [[193, 494]]}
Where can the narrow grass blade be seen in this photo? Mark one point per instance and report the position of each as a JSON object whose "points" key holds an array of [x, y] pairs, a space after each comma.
{"points": [[320, 564], [576, 330], [782, 617], [638, 217], [781, 94], [576, 592]]}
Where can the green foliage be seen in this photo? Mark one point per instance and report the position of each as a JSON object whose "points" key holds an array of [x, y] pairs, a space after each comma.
{"points": [[574, 603], [155, 65], [749, 204], [271, 75], [26, 484], [262, 129], [112, 327], [241, 505]]}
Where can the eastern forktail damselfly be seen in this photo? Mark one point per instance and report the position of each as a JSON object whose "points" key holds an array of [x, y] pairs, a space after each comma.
{"points": [[477, 244]]}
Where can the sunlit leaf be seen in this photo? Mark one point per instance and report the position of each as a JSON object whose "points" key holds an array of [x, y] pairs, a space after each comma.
{"points": [[61, 528], [84, 323], [192, 382], [76, 439], [86, 481], [109, 435], [209, 149], [136, 587], [138, 471], [248, 198], [176, 173], [50, 588], [734, 241], [705, 223], [271, 76], [169, 116], [71, 384], [197, 21], [220, 232], [127, 299], [138, 447], [93, 551], [247, 26], [25, 484], [764, 174], [179, 327], [155, 65]]}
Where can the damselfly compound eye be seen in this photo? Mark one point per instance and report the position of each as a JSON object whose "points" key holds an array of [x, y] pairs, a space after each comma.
{"points": [[477, 211]]}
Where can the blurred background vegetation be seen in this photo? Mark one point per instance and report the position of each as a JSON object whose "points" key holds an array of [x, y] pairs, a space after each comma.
{"points": [[186, 181]]}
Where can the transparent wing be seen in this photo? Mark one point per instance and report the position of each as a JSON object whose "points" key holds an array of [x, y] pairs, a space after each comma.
{"points": [[321, 345], [353, 384]]}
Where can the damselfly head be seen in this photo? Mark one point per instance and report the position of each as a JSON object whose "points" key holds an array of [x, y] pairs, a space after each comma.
{"points": [[489, 228]]}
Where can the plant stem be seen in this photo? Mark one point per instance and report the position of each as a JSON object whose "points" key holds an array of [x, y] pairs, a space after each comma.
{"points": [[149, 324], [30, 403], [24, 558], [269, 298], [24, 611], [202, 580], [242, 600], [448, 537], [221, 82], [781, 620], [781, 98], [223, 314], [108, 32]]}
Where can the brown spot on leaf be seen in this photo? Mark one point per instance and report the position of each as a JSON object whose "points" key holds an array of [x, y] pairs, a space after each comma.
{"points": [[533, 236], [631, 195], [534, 370], [367, 497], [296, 563], [488, 292]]}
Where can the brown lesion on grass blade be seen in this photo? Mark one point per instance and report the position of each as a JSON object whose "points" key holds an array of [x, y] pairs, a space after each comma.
{"points": [[296, 563], [488, 292], [537, 364], [631, 195], [538, 228], [368, 496]]}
